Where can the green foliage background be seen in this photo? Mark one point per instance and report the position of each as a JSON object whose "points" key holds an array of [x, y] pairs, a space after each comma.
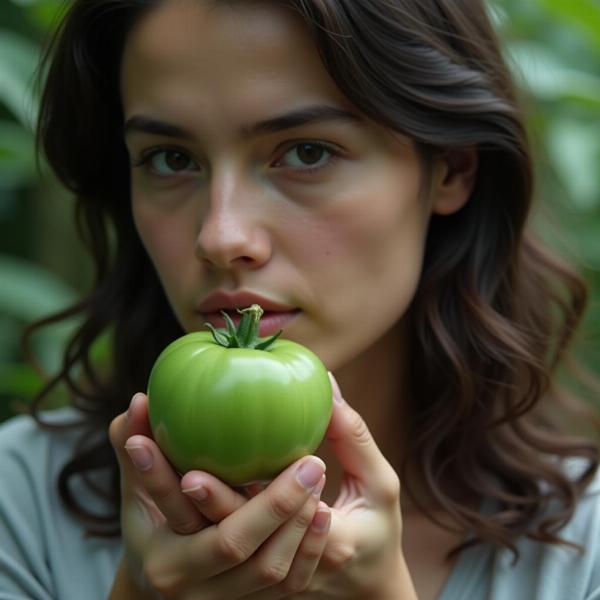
{"points": [[553, 46]]}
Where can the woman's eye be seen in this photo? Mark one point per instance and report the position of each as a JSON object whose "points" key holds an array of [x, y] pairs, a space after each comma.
{"points": [[168, 162], [309, 156]]}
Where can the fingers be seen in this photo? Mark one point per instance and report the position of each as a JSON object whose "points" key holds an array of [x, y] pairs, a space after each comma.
{"points": [[142, 459], [285, 562], [309, 552], [357, 451], [266, 512], [213, 498], [122, 427], [238, 536], [161, 483]]}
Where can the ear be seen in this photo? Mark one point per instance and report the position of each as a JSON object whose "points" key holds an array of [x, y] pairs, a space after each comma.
{"points": [[454, 179]]}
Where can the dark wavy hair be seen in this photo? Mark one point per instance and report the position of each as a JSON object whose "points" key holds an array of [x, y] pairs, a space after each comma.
{"points": [[494, 313]]}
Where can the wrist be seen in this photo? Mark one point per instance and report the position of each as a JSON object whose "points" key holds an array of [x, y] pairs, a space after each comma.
{"points": [[125, 586], [400, 587]]}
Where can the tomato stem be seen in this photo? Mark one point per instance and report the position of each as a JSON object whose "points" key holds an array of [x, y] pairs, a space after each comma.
{"points": [[246, 334]]}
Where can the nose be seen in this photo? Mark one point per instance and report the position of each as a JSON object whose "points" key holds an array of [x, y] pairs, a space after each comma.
{"points": [[232, 232]]}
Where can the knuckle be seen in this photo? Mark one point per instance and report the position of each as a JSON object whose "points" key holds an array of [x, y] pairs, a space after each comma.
{"points": [[159, 490], [273, 572], [281, 506], [360, 431], [186, 527], [231, 548], [304, 518], [338, 556], [390, 490], [310, 552], [294, 585], [114, 431], [166, 584]]}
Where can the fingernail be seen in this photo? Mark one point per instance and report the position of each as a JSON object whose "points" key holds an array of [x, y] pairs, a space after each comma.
{"points": [[135, 398], [320, 521], [319, 487], [335, 388], [310, 472], [198, 492], [140, 456]]}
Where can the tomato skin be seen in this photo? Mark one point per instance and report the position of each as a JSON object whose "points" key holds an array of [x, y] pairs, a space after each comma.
{"points": [[241, 414]]}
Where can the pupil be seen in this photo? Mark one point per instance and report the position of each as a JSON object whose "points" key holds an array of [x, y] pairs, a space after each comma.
{"points": [[176, 161], [310, 153]]}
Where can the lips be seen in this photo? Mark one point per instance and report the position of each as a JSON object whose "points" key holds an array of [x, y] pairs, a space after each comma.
{"points": [[276, 316]]}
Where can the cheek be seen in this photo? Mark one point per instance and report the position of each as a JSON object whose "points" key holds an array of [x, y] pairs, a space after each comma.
{"points": [[369, 233], [166, 243], [363, 263]]}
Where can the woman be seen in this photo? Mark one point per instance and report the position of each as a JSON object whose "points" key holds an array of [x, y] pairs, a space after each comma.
{"points": [[361, 169]]}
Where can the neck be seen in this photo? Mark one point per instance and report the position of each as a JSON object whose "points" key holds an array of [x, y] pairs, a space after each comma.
{"points": [[374, 384]]}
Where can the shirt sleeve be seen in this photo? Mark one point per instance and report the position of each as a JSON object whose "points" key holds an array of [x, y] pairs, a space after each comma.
{"points": [[46, 552], [24, 573], [594, 542]]}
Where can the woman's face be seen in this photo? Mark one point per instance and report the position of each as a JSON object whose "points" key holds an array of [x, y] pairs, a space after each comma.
{"points": [[255, 179]]}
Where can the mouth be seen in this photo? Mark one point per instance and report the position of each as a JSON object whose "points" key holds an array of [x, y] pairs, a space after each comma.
{"points": [[276, 316], [270, 323]]}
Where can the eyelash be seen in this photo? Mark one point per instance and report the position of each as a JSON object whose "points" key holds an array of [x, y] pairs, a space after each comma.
{"points": [[334, 153], [146, 157]]}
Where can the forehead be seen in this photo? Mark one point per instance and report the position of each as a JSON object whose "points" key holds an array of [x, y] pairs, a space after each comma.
{"points": [[235, 54], [176, 24]]}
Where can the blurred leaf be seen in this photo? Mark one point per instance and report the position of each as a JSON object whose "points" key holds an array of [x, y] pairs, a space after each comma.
{"points": [[540, 71], [29, 292], [46, 13], [586, 234], [17, 162], [8, 202], [18, 62], [584, 14], [10, 332], [19, 380], [574, 148]]}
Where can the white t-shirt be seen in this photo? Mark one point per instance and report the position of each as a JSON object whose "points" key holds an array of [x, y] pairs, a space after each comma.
{"points": [[46, 555]]}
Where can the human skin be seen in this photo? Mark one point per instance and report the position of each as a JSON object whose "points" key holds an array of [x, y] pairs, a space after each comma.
{"points": [[342, 246]]}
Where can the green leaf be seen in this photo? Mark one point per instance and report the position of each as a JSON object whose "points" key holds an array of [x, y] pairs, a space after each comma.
{"points": [[574, 149], [46, 13], [29, 292], [19, 380], [17, 155], [584, 14], [544, 74], [18, 62], [587, 239]]}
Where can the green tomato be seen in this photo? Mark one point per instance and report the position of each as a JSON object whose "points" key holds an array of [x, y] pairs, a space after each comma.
{"points": [[240, 413]]}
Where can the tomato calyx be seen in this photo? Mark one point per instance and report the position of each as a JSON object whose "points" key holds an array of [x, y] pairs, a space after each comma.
{"points": [[245, 335]]}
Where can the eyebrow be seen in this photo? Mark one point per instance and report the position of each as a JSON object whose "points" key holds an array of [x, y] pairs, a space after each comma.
{"points": [[304, 116]]}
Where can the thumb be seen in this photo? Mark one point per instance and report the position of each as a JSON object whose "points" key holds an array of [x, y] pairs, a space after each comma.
{"points": [[122, 427], [356, 449]]}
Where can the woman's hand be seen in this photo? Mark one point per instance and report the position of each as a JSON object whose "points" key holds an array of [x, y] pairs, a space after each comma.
{"points": [[244, 546], [363, 556]]}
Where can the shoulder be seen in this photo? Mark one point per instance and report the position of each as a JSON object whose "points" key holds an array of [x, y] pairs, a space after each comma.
{"points": [[584, 527], [25, 427], [33, 456], [554, 572], [27, 447], [45, 552]]}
